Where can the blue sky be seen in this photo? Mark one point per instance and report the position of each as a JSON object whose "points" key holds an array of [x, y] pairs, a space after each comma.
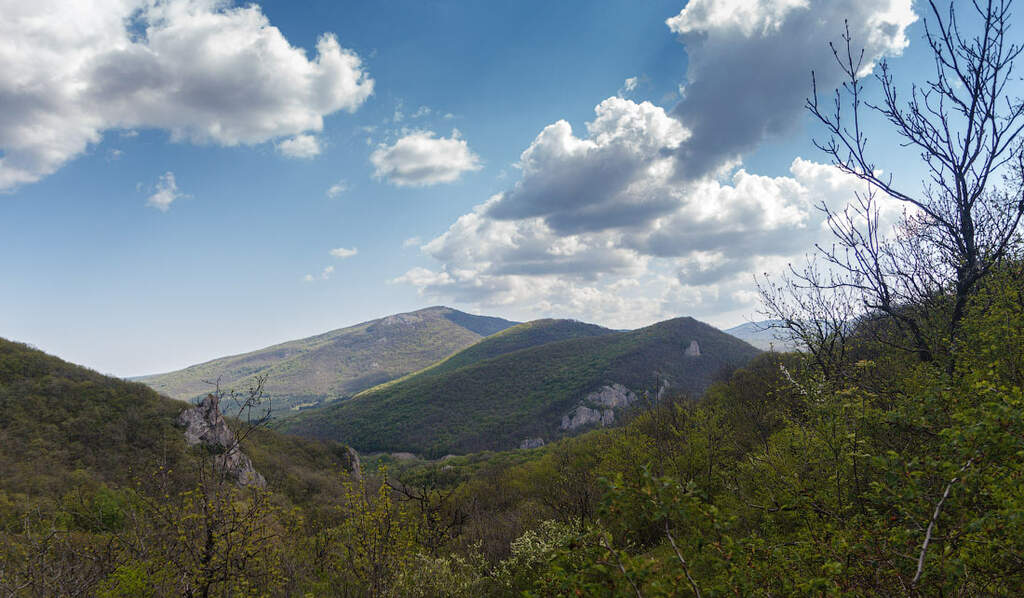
{"points": [[185, 179]]}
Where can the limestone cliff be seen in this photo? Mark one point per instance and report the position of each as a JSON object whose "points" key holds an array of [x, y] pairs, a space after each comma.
{"points": [[531, 443], [204, 425], [599, 407], [693, 350]]}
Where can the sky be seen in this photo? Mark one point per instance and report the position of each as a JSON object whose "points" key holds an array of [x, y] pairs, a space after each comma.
{"points": [[186, 179]]}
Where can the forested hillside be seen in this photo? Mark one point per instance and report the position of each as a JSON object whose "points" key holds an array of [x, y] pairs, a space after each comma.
{"points": [[882, 457], [475, 402], [62, 425], [887, 477], [779, 481]]}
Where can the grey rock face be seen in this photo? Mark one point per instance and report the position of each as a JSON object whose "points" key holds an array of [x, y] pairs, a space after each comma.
{"points": [[205, 425], [599, 407], [666, 385], [693, 350], [401, 320], [357, 465], [613, 396], [584, 416], [531, 443]]}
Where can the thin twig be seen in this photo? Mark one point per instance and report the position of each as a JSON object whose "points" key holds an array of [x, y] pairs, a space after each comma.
{"points": [[686, 568], [622, 568], [931, 524]]}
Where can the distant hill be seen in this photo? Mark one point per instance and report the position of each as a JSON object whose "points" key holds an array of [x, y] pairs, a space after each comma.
{"points": [[64, 427], [336, 364], [764, 335], [520, 336], [525, 384]]}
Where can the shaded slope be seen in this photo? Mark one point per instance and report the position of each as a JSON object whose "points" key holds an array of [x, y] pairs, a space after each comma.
{"points": [[339, 363], [63, 426], [518, 337], [496, 402]]}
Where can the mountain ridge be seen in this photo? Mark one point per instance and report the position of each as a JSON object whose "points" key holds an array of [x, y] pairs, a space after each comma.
{"points": [[767, 335], [499, 401], [337, 363]]}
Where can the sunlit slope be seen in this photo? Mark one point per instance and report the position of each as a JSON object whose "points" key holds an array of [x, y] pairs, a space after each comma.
{"points": [[496, 402], [339, 363]]}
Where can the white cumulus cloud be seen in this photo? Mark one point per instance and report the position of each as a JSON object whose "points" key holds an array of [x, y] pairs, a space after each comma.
{"points": [[165, 194], [204, 70], [600, 227], [422, 158], [343, 252], [300, 146], [750, 64], [648, 214], [605, 179], [337, 189], [324, 275]]}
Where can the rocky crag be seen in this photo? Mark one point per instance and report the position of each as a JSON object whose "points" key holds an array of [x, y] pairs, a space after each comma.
{"points": [[204, 425], [599, 407]]}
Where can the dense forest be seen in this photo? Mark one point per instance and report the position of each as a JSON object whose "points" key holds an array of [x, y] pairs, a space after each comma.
{"points": [[519, 383], [890, 475], [884, 457]]}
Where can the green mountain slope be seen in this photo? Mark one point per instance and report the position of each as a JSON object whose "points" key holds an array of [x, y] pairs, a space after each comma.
{"points": [[497, 402], [339, 363], [520, 336], [63, 427]]}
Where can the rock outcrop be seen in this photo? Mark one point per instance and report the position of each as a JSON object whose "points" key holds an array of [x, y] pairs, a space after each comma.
{"points": [[666, 386], [204, 425], [599, 407], [693, 350], [613, 396], [355, 465], [585, 416], [531, 443]]}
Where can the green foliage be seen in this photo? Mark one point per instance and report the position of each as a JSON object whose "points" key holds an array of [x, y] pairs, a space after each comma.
{"points": [[100, 495], [892, 477], [530, 555], [130, 581], [453, 576], [900, 478], [476, 402]]}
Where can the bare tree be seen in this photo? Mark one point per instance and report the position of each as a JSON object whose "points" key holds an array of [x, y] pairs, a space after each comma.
{"points": [[967, 127], [815, 309], [437, 519]]}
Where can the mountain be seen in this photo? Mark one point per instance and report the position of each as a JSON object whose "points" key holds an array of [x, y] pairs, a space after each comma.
{"points": [[336, 364], [520, 336], [64, 428], [764, 335], [487, 398]]}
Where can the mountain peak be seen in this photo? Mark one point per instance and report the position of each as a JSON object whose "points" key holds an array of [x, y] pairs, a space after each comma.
{"points": [[337, 364]]}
